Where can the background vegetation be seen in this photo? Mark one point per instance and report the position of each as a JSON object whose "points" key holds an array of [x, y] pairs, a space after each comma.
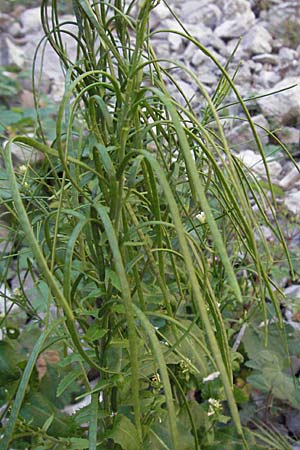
{"points": [[150, 272]]}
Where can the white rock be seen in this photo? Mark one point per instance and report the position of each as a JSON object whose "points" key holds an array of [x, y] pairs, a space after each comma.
{"points": [[241, 136], [15, 30], [5, 302], [292, 202], [290, 179], [289, 135], [293, 291], [283, 107], [234, 28], [158, 14], [287, 54], [23, 155], [254, 162], [265, 79], [208, 14], [30, 19], [234, 8], [14, 55], [257, 40], [266, 58]]}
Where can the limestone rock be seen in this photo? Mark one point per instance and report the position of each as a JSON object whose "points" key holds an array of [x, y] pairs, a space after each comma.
{"points": [[25, 155], [30, 20], [283, 107], [258, 40], [289, 135], [158, 15], [238, 19], [292, 202], [235, 28], [241, 136], [11, 54], [266, 58], [290, 179], [254, 162]]}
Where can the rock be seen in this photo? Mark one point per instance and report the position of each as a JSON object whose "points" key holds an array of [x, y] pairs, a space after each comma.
{"points": [[30, 20], [293, 291], [5, 244], [235, 8], [241, 136], [10, 54], [5, 302], [16, 30], [292, 202], [238, 19], [27, 99], [290, 179], [234, 28], [265, 79], [283, 107], [158, 14], [289, 135], [292, 422], [266, 58], [254, 162], [25, 155], [6, 22], [287, 54], [206, 13], [258, 40], [48, 63]]}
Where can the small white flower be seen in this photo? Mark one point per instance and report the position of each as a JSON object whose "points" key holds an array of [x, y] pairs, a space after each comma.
{"points": [[211, 377], [201, 217], [17, 292], [22, 168], [215, 403]]}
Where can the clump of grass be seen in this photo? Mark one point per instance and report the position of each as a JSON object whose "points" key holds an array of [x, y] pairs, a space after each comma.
{"points": [[141, 228]]}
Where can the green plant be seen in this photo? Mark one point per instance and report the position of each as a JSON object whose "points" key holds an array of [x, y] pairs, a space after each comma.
{"points": [[139, 229]]}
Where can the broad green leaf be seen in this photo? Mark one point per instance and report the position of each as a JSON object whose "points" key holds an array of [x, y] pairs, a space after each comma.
{"points": [[78, 443], [36, 410], [9, 371], [67, 381], [124, 433], [94, 332]]}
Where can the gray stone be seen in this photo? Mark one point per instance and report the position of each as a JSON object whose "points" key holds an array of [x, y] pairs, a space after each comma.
{"points": [[241, 136], [30, 20], [258, 40], [293, 291], [265, 79], [289, 135], [158, 14], [283, 107], [292, 202], [5, 244], [5, 22], [11, 54], [15, 30], [287, 54], [208, 14], [48, 63], [22, 155], [235, 27], [292, 421], [290, 179], [255, 163], [236, 8], [266, 58]]}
